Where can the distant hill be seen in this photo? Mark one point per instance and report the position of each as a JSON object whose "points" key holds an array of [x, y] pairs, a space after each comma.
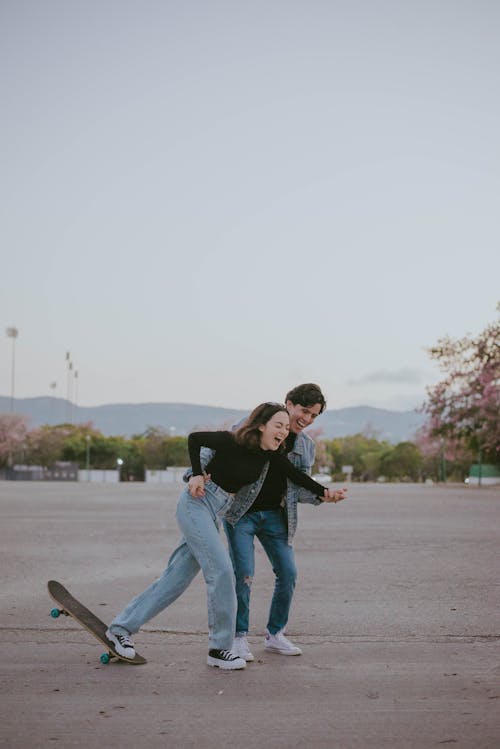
{"points": [[181, 418]]}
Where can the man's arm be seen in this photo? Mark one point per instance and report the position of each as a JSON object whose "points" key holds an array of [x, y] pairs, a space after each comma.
{"points": [[307, 462], [206, 455], [307, 458]]}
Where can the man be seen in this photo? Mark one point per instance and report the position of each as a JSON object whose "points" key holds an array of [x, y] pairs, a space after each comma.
{"points": [[268, 510]]}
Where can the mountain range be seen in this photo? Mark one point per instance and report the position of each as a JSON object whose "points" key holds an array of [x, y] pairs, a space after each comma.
{"points": [[127, 419]]}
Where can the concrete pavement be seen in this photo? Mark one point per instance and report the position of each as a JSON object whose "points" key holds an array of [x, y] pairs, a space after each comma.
{"points": [[396, 609]]}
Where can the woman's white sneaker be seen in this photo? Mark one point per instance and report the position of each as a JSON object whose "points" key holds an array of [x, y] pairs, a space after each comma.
{"points": [[123, 644], [241, 649], [225, 659], [278, 643]]}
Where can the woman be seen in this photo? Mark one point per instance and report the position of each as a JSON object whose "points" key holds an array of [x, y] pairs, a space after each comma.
{"points": [[239, 460]]}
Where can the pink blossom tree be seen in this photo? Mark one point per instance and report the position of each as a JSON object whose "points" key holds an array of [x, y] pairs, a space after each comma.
{"points": [[12, 436], [46, 443], [464, 407]]}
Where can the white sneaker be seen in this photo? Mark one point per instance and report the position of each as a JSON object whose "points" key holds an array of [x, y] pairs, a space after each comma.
{"points": [[123, 644], [241, 649], [225, 659], [278, 643]]}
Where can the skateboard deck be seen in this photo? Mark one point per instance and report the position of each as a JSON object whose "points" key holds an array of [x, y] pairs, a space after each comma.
{"points": [[89, 621]]}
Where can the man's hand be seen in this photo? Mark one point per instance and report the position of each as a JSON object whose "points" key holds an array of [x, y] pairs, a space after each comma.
{"points": [[334, 495], [196, 485]]}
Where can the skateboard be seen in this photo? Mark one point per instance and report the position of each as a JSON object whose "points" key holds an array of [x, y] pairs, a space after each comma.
{"points": [[71, 607]]}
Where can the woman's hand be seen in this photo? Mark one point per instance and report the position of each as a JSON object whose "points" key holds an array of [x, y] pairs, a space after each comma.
{"points": [[334, 495], [196, 485]]}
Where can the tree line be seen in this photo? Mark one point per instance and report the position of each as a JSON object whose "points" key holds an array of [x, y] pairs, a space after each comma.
{"points": [[462, 427], [155, 449], [89, 448]]}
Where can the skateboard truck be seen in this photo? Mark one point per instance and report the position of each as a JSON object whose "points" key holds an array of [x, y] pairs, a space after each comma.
{"points": [[105, 658], [57, 612]]}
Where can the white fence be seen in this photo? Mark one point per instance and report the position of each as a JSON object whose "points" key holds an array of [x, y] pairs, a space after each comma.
{"points": [[97, 475], [172, 475]]}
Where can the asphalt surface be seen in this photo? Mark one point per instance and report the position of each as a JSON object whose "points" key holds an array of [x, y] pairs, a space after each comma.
{"points": [[396, 610]]}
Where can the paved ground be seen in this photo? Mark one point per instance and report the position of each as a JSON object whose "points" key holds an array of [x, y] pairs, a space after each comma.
{"points": [[397, 611]]}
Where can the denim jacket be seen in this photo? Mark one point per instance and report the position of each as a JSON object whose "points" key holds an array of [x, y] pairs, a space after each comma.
{"points": [[302, 457]]}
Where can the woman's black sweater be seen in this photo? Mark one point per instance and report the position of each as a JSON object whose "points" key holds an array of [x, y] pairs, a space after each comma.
{"points": [[234, 465]]}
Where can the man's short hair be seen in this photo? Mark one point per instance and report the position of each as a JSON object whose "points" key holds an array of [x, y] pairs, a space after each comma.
{"points": [[307, 394]]}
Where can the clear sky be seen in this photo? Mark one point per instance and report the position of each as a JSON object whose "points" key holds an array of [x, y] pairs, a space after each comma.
{"points": [[212, 201]]}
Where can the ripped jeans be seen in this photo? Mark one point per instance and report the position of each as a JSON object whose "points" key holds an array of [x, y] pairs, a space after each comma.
{"points": [[271, 529]]}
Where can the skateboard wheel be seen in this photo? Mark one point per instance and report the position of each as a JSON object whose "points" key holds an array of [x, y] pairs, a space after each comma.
{"points": [[105, 658], [55, 613]]}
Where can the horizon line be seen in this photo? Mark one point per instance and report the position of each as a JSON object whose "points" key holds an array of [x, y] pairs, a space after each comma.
{"points": [[196, 405]]}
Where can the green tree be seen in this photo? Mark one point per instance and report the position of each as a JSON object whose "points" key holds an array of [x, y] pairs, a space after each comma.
{"points": [[177, 453], [75, 445], [403, 461], [152, 446], [160, 450], [106, 450], [133, 462], [360, 451]]}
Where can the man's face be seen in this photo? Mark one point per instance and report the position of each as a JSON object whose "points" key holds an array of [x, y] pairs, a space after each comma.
{"points": [[302, 416]]}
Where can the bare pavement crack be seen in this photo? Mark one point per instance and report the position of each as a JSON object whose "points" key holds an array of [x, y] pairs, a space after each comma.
{"points": [[336, 639]]}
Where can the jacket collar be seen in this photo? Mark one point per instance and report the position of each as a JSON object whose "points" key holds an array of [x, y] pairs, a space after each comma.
{"points": [[300, 444]]}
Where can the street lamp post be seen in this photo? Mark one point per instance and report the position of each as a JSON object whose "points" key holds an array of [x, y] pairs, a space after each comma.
{"points": [[87, 456], [119, 463], [13, 333], [442, 467], [68, 387]]}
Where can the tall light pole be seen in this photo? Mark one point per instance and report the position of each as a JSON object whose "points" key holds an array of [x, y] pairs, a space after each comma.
{"points": [[52, 386], [68, 384], [75, 397], [12, 333]]}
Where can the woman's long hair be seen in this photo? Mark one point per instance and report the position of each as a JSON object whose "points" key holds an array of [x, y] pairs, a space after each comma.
{"points": [[249, 433]]}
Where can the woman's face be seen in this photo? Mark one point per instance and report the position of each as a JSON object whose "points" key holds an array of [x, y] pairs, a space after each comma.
{"points": [[274, 431]]}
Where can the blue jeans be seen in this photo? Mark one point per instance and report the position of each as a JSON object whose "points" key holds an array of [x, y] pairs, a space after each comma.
{"points": [[270, 527], [201, 547]]}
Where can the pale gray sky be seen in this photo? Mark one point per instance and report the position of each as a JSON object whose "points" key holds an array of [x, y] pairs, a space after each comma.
{"points": [[211, 202]]}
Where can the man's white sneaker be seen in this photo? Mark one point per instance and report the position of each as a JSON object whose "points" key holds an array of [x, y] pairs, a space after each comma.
{"points": [[123, 644], [278, 643], [241, 649], [225, 659]]}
